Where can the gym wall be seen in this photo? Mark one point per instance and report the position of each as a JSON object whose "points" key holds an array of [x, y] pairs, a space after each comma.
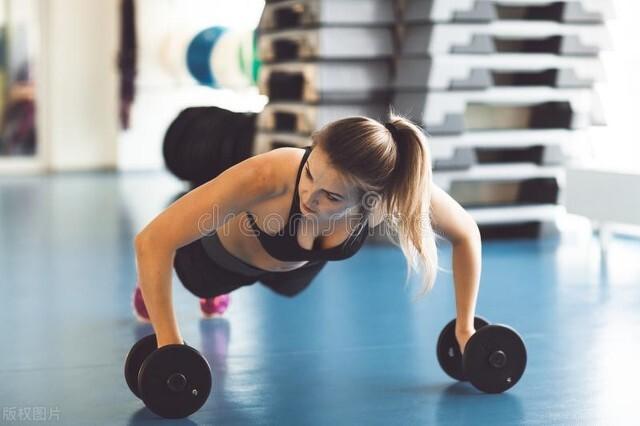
{"points": [[164, 86]]}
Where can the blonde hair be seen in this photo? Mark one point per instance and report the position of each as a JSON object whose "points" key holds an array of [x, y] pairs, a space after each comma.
{"points": [[391, 166]]}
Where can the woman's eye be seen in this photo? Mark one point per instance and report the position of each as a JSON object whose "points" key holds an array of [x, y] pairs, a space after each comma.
{"points": [[332, 198], [308, 174]]}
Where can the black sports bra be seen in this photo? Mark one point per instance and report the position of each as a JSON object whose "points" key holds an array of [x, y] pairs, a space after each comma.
{"points": [[284, 245]]}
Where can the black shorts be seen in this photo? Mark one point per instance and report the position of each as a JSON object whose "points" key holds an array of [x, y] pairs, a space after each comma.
{"points": [[204, 278]]}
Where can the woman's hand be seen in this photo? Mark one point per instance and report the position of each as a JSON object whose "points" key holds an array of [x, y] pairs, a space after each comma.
{"points": [[463, 335]]}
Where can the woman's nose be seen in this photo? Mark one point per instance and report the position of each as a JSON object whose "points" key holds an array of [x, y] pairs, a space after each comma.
{"points": [[311, 201]]}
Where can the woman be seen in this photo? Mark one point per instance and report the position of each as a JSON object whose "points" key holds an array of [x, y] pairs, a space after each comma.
{"points": [[278, 217]]}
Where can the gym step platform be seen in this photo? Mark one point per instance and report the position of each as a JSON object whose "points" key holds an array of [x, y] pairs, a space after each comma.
{"points": [[478, 72], [445, 156], [502, 108], [302, 118], [466, 158], [542, 147], [353, 43], [502, 185], [505, 37], [316, 13], [512, 222], [334, 81], [533, 230], [569, 11], [529, 222]]}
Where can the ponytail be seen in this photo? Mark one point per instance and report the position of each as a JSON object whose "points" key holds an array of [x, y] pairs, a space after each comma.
{"points": [[407, 197]]}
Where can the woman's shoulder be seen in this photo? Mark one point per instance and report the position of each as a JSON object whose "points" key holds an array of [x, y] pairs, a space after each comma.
{"points": [[286, 154], [284, 163], [277, 169]]}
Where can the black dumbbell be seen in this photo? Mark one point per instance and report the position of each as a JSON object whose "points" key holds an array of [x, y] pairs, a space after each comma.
{"points": [[173, 381], [494, 358]]}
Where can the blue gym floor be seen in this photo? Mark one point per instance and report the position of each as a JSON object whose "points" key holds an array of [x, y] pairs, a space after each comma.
{"points": [[351, 350]]}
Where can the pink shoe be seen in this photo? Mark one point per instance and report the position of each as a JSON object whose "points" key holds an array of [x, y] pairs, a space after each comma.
{"points": [[214, 305], [139, 309]]}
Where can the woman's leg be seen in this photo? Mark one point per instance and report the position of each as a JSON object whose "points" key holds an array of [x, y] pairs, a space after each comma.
{"points": [[215, 305], [203, 277], [212, 284], [139, 308], [292, 283]]}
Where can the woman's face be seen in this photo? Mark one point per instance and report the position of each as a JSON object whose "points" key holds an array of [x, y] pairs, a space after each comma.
{"points": [[323, 192]]}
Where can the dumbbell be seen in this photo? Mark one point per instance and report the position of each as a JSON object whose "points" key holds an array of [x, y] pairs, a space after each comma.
{"points": [[494, 357], [173, 381]]}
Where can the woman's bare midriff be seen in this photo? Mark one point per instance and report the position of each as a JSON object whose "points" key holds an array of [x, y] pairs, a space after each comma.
{"points": [[238, 240]]}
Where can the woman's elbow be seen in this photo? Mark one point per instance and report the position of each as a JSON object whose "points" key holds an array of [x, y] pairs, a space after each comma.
{"points": [[474, 231], [144, 242], [470, 232], [139, 240]]}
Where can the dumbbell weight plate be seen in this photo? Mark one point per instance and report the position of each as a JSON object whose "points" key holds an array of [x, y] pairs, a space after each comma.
{"points": [[495, 358], [448, 351], [138, 353], [173, 363]]}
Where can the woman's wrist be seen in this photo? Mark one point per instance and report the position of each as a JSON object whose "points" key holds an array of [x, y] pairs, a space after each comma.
{"points": [[464, 324], [172, 340]]}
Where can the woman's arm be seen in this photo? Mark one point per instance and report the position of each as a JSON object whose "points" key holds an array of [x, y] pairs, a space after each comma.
{"points": [[201, 211], [459, 227]]}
